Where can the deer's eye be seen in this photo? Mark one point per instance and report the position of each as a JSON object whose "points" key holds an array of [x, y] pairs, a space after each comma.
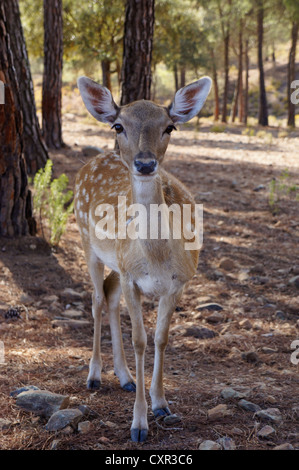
{"points": [[169, 129], [118, 127]]}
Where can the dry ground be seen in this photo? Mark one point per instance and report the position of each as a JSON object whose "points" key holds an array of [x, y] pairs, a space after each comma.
{"points": [[222, 170]]}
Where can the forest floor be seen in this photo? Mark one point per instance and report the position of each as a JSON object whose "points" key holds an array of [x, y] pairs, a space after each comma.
{"points": [[247, 265]]}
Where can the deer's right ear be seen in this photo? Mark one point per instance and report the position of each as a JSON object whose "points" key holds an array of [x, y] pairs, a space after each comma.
{"points": [[98, 100]]}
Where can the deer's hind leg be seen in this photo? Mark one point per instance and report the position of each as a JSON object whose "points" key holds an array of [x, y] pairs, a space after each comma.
{"points": [[112, 289], [96, 270]]}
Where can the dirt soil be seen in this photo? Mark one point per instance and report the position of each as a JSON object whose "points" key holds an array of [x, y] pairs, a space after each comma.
{"points": [[248, 258]]}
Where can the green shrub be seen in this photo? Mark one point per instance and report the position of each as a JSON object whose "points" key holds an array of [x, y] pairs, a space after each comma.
{"points": [[51, 202], [281, 187]]}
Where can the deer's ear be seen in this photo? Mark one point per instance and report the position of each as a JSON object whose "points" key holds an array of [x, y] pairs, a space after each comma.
{"points": [[189, 100], [98, 100]]}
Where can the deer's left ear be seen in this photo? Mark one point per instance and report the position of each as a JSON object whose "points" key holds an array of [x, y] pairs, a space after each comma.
{"points": [[189, 100]]}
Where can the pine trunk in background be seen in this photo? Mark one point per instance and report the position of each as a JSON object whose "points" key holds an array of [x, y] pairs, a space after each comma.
{"points": [[246, 88], [137, 55], [263, 107], [35, 151], [52, 78], [106, 74], [226, 78], [215, 87], [15, 198], [292, 73]]}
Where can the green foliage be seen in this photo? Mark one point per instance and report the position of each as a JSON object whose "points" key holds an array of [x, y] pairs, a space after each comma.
{"points": [[51, 201], [281, 187]]}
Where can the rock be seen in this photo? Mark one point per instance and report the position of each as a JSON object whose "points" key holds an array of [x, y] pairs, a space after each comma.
{"points": [[90, 151], [49, 299], [88, 412], [209, 306], [84, 427], [269, 350], [245, 324], [72, 295], [5, 424], [285, 446], [171, 420], [209, 445], [249, 406], [295, 269], [266, 432], [228, 393], [280, 315], [227, 264], [260, 187], [215, 317], [63, 418], [199, 332], [294, 281], [251, 356], [42, 402], [73, 324], [226, 443], [26, 299], [257, 269], [72, 314], [23, 389], [219, 411], [270, 414]]}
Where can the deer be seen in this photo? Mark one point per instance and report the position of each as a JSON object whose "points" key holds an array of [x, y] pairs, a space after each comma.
{"points": [[159, 267]]}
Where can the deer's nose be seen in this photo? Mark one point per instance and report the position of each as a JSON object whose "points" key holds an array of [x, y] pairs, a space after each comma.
{"points": [[145, 168]]}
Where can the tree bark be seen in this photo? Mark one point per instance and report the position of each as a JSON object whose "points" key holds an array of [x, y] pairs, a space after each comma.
{"points": [[241, 90], [246, 90], [216, 88], [35, 151], [176, 78], [15, 198], [292, 73], [52, 77], [106, 74], [263, 107], [226, 77], [138, 45]]}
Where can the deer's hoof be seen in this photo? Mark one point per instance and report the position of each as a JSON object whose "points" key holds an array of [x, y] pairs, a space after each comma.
{"points": [[162, 412], [139, 435], [93, 384], [130, 387]]}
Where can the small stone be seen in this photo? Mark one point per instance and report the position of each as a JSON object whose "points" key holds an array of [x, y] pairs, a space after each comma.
{"points": [[26, 299], [260, 187], [209, 306], [49, 299], [270, 399], [84, 427], [64, 418], [67, 430], [280, 315], [111, 425], [42, 402], [72, 314], [23, 389], [209, 445], [250, 356], [226, 443], [248, 406], [171, 420], [219, 411], [228, 393], [265, 432], [294, 281], [199, 332], [227, 264], [72, 295], [295, 269], [270, 414], [215, 317], [86, 411], [90, 151], [73, 324], [285, 446], [245, 324], [267, 350], [5, 424]]}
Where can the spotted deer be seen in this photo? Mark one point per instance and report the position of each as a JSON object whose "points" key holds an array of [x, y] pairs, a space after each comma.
{"points": [[158, 267]]}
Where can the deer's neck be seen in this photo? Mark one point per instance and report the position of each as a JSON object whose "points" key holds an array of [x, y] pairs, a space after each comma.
{"points": [[147, 191]]}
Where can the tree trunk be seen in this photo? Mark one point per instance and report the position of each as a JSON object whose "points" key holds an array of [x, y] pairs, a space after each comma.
{"points": [[138, 45], [15, 198], [226, 78], [241, 91], [234, 108], [183, 77], [176, 77], [52, 78], [263, 108], [216, 88], [292, 73], [35, 151], [106, 74], [245, 116]]}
